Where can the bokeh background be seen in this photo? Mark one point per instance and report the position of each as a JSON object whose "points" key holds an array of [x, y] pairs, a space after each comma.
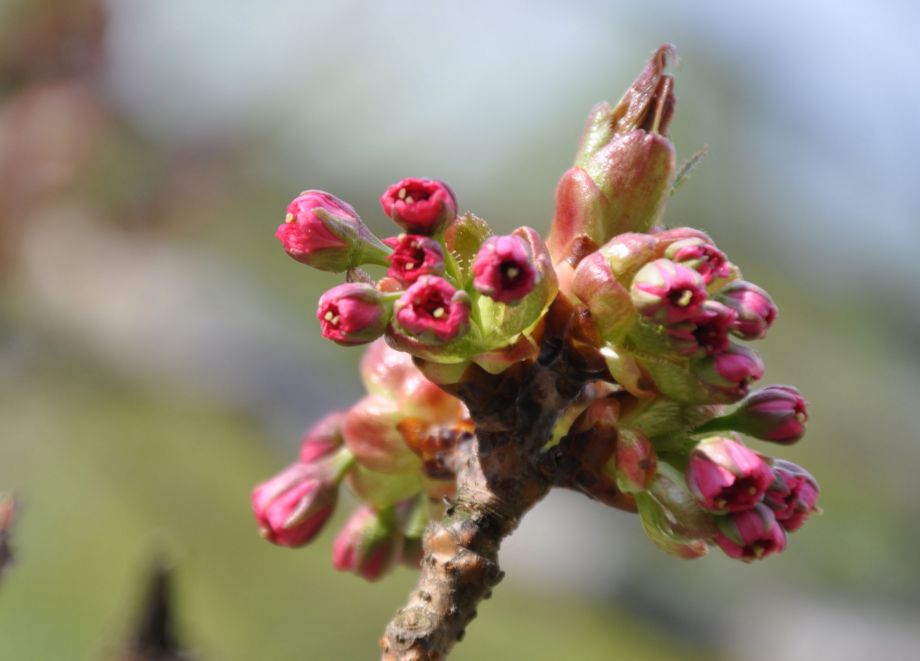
{"points": [[159, 354]]}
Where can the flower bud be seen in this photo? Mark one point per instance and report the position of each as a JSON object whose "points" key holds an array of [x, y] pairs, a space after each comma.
{"points": [[420, 206], [352, 313], [728, 374], [775, 413], [414, 256], [368, 544], [371, 432], [725, 476], [581, 210], [793, 494], [701, 256], [666, 292], [503, 269], [634, 461], [323, 438], [595, 285], [383, 369], [433, 311], [750, 535], [326, 233], [292, 507], [756, 310]]}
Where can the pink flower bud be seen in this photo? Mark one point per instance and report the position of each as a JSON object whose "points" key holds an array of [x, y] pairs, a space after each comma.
{"points": [[793, 496], [414, 256], [701, 256], [371, 432], [776, 413], [711, 326], [725, 476], [666, 292], [420, 206], [326, 233], [595, 285], [433, 311], [729, 374], [581, 210], [750, 535], [293, 506], [503, 269], [756, 310], [369, 543], [323, 438], [352, 313]]}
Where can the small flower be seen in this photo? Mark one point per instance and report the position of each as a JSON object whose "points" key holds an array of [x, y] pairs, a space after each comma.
{"points": [[750, 535], [323, 438], [666, 292], [711, 326], [324, 232], [293, 506], [793, 495], [729, 373], [420, 206], [352, 313], [369, 544], [756, 310], [414, 256], [503, 269], [700, 255], [725, 476], [433, 310]]}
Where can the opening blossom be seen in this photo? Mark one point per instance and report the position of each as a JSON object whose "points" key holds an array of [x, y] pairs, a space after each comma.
{"points": [[353, 313], [725, 476], [503, 269], [432, 310], [420, 206], [414, 256], [668, 292]]}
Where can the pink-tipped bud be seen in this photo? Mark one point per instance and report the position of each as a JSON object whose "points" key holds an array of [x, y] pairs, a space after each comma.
{"points": [[413, 256], [725, 476], [756, 310], [634, 460], [371, 432], [750, 535], [293, 506], [352, 313], [420, 206], [324, 232], [793, 496], [729, 374], [666, 292], [503, 269], [775, 413], [701, 256], [323, 438], [433, 311], [368, 545]]}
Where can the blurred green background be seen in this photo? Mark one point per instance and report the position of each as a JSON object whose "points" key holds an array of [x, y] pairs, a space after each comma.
{"points": [[159, 355]]}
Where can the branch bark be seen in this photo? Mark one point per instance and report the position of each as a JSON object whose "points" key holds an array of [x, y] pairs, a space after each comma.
{"points": [[497, 482]]}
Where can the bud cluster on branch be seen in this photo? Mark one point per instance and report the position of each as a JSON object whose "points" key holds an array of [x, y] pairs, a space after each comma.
{"points": [[608, 359]]}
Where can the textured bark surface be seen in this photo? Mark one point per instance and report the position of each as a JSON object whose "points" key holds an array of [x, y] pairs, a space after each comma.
{"points": [[498, 480]]}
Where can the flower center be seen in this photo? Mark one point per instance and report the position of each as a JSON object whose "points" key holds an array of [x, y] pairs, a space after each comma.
{"points": [[681, 297]]}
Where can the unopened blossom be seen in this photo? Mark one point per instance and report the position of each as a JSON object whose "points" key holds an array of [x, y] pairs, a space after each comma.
{"points": [[324, 232], [293, 506], [728, 374], [793, 496], [371, 433], [750, 535], [666, 292], [634, 461], [352, 313], [323, 438], [700, 255], [756, 310], [368, 545], [433, 311], [774, 413], [413, 256], [725, 476], [420, 206], [503, 269]]}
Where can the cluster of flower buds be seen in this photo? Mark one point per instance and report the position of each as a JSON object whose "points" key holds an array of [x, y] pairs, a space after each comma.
{"points": [[452, 292], [663, 309], [394, 450]]}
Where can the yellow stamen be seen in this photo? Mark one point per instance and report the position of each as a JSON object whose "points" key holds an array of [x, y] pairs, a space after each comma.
{"points": [[512, 272], [409, 199], [328, 316], [289, 218], [685, 298], [438, 313], [409, 266], [402, 194]]}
